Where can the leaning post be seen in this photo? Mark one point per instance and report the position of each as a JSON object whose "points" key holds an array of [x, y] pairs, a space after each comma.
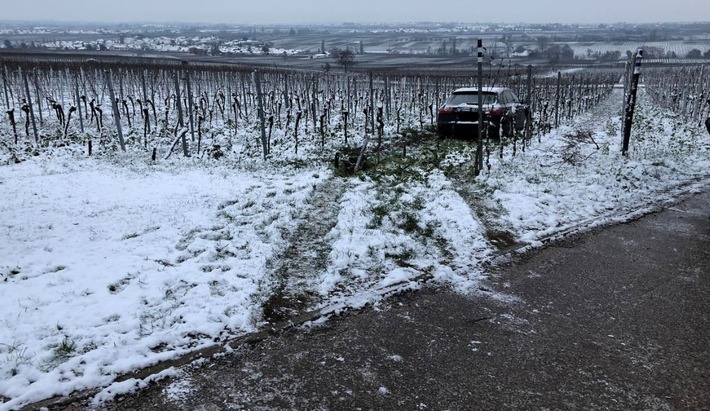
{"points": [[625, 79], [631, 103]]}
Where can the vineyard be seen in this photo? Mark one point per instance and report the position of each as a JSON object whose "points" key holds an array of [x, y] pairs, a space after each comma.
{"points": [[225, 110], [155, 208], [684, 91]]}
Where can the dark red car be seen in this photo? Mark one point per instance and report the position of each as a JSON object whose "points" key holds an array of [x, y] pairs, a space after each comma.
{"points": [[502, 110]]}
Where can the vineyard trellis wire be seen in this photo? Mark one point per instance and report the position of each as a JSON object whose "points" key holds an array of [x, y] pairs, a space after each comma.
{"points": [[329, 110]]}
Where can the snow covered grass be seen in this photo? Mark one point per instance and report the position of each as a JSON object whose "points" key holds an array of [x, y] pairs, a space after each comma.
{"points": [[111, 264], [105, 269], [397, 231]]}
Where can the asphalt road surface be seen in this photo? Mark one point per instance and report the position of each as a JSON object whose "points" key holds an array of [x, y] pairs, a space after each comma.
{"points": [[617, 319]]}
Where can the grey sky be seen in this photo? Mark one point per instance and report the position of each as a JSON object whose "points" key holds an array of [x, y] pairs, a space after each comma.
{"points": [[337, 11]]}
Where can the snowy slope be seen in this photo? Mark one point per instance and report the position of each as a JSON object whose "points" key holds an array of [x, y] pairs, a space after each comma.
{"points": [[107, 265]]}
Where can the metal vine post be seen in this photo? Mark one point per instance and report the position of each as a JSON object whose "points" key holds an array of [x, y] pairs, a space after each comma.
{"points": [[479, 147]]}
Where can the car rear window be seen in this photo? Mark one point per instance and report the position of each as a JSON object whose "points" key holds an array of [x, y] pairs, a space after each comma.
{"points": [[509, 97], [470, 98]]}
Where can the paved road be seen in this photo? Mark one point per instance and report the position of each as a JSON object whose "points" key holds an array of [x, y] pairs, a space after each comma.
{"points": [[617, 319]]}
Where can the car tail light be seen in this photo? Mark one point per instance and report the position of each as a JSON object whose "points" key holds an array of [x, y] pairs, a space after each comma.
{"points": [[496, 112], [445, 110]]}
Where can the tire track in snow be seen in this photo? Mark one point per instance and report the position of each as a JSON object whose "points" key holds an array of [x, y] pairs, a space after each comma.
{"points": [[298, 265], [490, 213]]}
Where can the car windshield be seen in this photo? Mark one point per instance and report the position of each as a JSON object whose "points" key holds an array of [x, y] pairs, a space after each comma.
{"points": [[470, 98]]}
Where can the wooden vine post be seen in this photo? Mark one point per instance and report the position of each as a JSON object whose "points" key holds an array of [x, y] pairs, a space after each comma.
{"points": [[189, 102], [181, 121], [631, 104], [11, 115], [345, 124], [144, 110], [114, 107], [78, 101], [260, 109], [557, 100], [627, 85], [39, 98], [4, 84], [29, 104]]}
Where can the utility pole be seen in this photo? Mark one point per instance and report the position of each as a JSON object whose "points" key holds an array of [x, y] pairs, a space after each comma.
{"points": [[631, 103]]}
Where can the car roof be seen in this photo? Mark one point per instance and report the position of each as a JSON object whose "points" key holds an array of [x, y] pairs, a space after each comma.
{"points": [[486, 89]]}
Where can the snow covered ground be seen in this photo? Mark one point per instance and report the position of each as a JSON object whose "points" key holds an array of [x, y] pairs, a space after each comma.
{"points": [[112, 264]]}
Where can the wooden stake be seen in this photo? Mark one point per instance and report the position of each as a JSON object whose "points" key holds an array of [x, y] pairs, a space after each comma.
{"points": [[29, 103], [630, 107], [260, 107], [114, 107], [78, 101]]}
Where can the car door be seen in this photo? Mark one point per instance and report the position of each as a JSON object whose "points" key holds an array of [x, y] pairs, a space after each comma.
{"points": [[504, 101], [519, 110], [505, 105]]}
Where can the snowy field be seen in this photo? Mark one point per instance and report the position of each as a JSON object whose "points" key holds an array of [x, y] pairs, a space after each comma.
{"points": [[111, 264], [680, 48]]}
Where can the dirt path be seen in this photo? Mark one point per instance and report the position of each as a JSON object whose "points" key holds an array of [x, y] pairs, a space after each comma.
{"points": [[615, 319], [306, 256]]}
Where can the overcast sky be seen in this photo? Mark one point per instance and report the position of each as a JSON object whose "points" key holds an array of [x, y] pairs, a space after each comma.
{"points": [[338, 11]]}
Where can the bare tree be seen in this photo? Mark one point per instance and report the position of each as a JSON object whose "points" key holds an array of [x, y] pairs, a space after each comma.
{"points": [[345, 58]]}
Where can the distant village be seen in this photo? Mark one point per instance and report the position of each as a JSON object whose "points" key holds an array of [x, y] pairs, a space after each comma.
{"points": [[555, 42]]}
